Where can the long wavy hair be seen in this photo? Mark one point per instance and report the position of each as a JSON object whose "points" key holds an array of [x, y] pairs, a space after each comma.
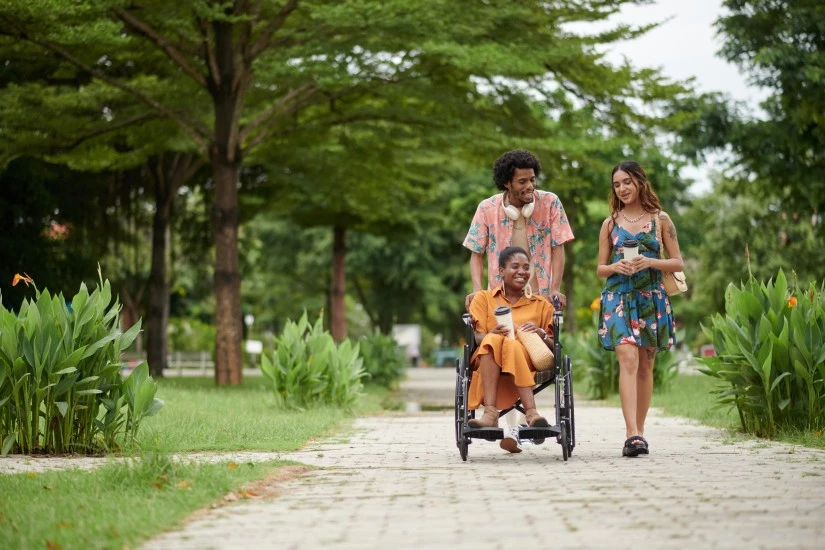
{"points": [[648, 198]]}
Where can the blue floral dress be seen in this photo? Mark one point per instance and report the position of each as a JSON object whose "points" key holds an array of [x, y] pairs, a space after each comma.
{"points": [[635, 308]]}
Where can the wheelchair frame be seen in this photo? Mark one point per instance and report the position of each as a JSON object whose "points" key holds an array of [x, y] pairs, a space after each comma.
{"points": [[560, 376]]}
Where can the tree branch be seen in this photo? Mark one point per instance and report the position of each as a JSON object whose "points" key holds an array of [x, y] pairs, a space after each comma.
{"points": [[161, 41], [263, 131], [208, 54], [263, 117], [113, 128], [266, 35], [195, 132]]}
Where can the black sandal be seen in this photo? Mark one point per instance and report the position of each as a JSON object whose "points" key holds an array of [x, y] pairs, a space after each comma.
{"points": [[635, 446]]}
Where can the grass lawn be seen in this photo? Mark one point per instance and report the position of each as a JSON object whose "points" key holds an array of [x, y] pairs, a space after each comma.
{"points": [[124, 503], [197, 416], [690, 396], [115, 506]]}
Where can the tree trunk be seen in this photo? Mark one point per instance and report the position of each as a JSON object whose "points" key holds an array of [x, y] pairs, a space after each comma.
{"points": [[226, 86], [337, 308], [158, 282], [225, 219], [169, 172]]}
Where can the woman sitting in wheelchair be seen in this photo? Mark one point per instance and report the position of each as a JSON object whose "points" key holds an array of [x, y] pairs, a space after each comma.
{"points": [[506, 372]]}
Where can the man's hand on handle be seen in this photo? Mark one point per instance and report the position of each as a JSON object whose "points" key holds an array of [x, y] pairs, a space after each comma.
{"points": [[467, 300], [561, 297]]}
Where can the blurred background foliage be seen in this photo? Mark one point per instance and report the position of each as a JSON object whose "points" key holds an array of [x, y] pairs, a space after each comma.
{"points": [[398, 173]]}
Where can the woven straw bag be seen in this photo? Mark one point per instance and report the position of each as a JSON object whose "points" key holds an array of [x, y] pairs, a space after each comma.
{"points": [[675, 282], [539, 353]]}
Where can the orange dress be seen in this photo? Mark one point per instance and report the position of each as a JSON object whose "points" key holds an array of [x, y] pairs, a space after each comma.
{"points": [[516, 368]]}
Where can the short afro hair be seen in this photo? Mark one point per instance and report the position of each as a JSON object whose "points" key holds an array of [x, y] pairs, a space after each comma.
{"points": [[506, 165]]}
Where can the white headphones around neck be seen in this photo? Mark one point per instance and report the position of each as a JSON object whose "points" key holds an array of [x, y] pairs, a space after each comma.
{"points": [[514, 213]]}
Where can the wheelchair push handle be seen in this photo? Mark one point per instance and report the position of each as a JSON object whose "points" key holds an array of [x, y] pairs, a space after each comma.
{"points": [[558, 314]]}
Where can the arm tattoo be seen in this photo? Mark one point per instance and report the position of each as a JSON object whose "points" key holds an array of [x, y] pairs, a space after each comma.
{"points": [[671, 231]]}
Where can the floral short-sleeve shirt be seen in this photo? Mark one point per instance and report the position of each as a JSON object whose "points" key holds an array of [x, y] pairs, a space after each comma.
{"points": [[491, 231]]}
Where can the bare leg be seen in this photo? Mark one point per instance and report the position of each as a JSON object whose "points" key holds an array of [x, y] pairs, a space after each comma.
{"points": [[528, 400], [628, 356], [489, 379], [644, 386], [489, 372]]}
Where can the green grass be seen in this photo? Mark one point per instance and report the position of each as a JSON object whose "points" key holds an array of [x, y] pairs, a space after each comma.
{"points": [[197, 416], [115, 506], [690, 396]]}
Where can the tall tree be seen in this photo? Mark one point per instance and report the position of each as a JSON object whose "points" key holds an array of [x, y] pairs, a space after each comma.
{"points": [[256, 66], [780, 45]]}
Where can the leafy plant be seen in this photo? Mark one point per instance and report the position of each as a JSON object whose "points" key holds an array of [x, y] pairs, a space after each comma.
{"points": [[384, 362], [770, 351], [599, 367], [308, 368], [60, 384]]}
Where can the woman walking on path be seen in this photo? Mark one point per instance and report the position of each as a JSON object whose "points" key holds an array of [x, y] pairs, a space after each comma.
{"points": [[636, 319]]}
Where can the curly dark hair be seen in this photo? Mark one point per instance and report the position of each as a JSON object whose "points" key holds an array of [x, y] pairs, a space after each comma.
{"points": [[505, 255], [505, 166]]}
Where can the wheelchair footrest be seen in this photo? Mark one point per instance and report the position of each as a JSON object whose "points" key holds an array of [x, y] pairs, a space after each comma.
{"points": [[538, 433], [493, 434], [490, 434]]}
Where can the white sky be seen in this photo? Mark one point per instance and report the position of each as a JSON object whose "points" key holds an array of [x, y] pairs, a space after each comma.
{"points": [[683, 47]]}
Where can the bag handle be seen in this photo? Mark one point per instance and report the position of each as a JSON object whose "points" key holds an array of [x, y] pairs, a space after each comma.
{"points": [[659, 236]]}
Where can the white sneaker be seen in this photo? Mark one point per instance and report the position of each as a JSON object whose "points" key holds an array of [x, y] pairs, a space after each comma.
{"points": [[510, 442]]}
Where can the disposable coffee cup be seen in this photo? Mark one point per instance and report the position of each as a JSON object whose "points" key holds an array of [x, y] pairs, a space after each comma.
{"points": [[505, 317], [631, 248]]}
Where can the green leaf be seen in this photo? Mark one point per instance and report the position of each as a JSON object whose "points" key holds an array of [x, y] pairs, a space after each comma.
{"points": [[67, 370], [129, 336], [10, 440]]}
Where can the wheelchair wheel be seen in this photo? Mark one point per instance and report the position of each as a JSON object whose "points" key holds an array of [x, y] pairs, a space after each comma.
{"points": [[461, 441], [565, 441], [570, 408]]}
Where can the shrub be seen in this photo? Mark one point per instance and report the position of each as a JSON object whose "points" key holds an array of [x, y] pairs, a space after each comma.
{"points": [[598, 367], [307, 368], [384, 361], [771, 354], [190, 335], [60, 384]]}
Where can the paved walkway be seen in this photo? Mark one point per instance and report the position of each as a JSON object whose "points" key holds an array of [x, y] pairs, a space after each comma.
{"points": [[399, 482]]}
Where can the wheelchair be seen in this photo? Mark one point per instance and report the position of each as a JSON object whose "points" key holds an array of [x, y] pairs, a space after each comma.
{"points": [[560, 376]]}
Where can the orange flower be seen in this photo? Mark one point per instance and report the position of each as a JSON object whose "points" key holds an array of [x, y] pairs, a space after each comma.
{"points": [[792, 301], [595, 304], [24, 277]]}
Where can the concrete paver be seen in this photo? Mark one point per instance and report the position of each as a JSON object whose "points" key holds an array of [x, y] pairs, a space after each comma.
{"points": [[399, 483]]}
